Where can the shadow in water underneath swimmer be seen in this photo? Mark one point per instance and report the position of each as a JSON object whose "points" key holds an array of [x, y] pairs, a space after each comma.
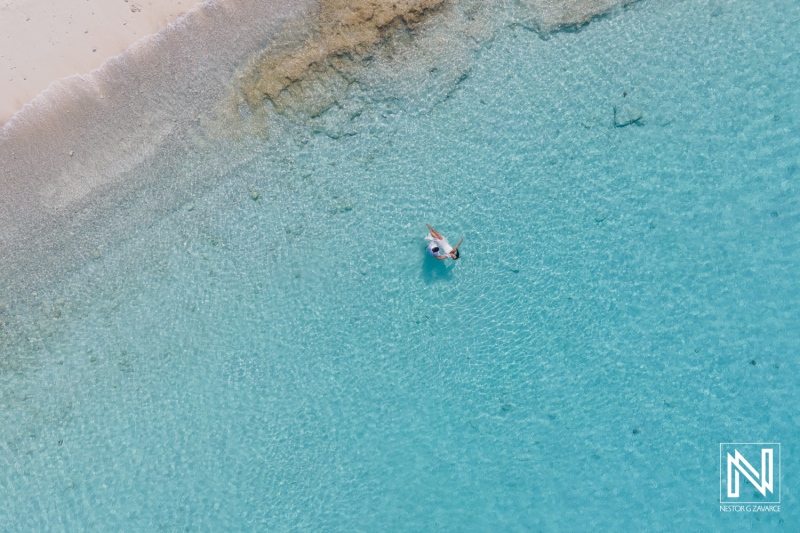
{"points": [[434, 270]]}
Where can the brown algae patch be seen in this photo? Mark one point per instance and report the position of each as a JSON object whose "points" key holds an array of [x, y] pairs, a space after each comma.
{"points": [[342, 29], [341, 46]]}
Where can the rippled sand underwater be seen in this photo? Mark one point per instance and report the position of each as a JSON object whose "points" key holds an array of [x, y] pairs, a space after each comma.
{"points": [[247, 334]]}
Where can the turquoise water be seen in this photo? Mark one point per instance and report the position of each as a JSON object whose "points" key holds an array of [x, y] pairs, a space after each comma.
{"points": [[627, 299]]}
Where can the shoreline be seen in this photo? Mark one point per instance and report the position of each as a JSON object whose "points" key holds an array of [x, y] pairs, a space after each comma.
{"points": [[44, 42], [96, 154]]}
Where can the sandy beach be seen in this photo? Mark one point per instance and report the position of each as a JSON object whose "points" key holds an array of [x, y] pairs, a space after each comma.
{"points": [[44, 41]]}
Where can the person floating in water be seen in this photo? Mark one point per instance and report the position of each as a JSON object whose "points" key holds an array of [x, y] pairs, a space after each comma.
{"points": [[438, 246]]}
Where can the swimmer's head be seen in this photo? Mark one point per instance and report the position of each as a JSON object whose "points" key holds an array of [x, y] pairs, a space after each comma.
{"points": [[455, 253]]}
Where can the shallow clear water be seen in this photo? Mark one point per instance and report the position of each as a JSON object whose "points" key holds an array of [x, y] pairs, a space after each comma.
{"points": [[294, 362]]}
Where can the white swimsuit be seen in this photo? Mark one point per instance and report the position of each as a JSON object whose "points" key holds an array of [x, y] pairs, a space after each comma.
{"points": [[438, 248]]}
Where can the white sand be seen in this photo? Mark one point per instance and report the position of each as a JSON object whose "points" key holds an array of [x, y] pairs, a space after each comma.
{"points": [[42, 41]]}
